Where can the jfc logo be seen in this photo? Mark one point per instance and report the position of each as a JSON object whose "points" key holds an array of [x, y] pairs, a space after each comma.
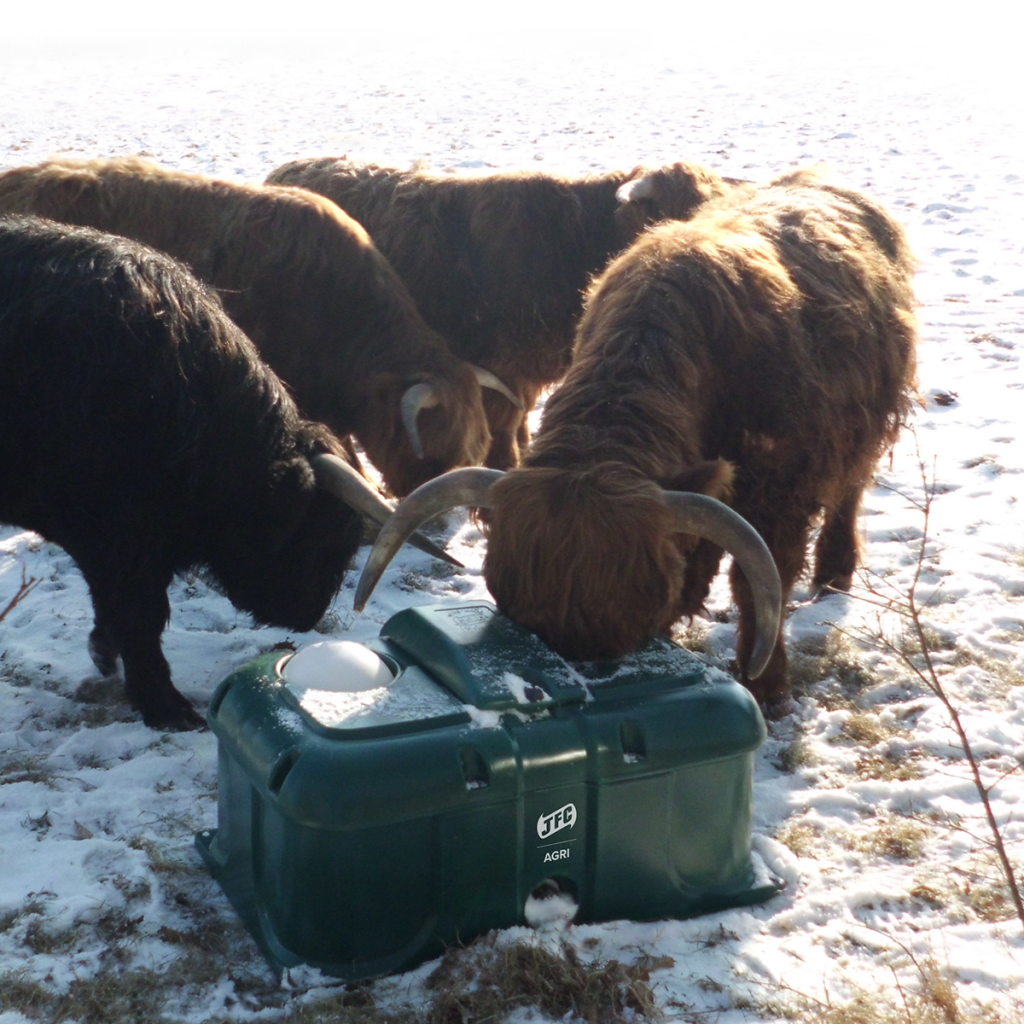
{"points": [[549, 824]]}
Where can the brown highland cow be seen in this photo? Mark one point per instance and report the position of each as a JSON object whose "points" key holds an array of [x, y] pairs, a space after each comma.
{"points": [[307, 285], [499, 263], [762, 352]]}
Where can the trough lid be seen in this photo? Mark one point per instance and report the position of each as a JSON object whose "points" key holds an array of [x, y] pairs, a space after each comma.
{"points": [[484, 658], [493, 663]]}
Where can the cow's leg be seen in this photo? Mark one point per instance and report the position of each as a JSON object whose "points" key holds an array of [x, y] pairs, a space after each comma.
{"points": [[787, 543], [131, 613], [102, 648], [504, 420], [701, 568], [510, 429], [837, 551], [522, 436]]}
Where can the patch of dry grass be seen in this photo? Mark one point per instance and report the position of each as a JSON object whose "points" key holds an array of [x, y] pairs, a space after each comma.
{"points": [[27, 768], [931, 998], [796, 754], [899, 838], [866, 729], [484, 982], [836, 660], [801, 837], [1005, 674], [18, 993], [991, 902], [933, 895], [487, 981], [162, 862], [984, 889], [694, 635], [887, 767], [29, 908], [974, 894]]}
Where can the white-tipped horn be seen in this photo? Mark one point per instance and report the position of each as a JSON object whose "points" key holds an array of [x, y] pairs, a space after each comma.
{"points": [[709, 518], [636, 189], [450, 490], [486, 379], [337, 476], [417, 398]]}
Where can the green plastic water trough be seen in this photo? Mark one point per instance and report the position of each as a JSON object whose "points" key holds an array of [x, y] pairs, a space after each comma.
{"points": [[381, 801]]}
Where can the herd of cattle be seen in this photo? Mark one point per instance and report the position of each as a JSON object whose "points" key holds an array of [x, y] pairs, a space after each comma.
{"points": [[188, 364]]}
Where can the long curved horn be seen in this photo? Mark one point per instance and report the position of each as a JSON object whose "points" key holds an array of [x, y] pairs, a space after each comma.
{"points": [[417, 398], [337, 476], [467, 486], [709, 518], [635, 189], [486, 379]]}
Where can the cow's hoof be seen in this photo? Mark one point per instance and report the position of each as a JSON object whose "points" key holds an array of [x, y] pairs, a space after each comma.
{"points": [[103, 653], [778, 707], [179, 716]]}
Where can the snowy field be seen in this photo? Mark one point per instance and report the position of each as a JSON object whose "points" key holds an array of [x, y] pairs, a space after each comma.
{"points": [[863, 799]]}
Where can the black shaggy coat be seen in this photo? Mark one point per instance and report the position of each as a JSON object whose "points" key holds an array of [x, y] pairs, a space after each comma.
{"points": [[141, 432], [762, 352]]}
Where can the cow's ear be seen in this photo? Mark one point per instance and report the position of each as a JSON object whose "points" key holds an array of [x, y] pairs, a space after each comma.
{"points": [[714, 478]]}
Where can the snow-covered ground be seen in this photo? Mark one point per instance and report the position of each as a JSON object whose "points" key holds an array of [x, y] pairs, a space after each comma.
{"points": [[863, 803]]}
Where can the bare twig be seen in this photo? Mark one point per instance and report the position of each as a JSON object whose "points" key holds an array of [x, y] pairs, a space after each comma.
{"points": [[903, 995], [922, 664], [26, 588], [1012, 771]]}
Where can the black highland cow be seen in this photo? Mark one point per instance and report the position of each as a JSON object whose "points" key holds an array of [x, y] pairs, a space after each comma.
{"points": [[141, 432]]}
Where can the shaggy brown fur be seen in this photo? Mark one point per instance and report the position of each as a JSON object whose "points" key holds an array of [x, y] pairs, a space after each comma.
{"points": [[774, 334], [499, 263], [304, 281]]}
